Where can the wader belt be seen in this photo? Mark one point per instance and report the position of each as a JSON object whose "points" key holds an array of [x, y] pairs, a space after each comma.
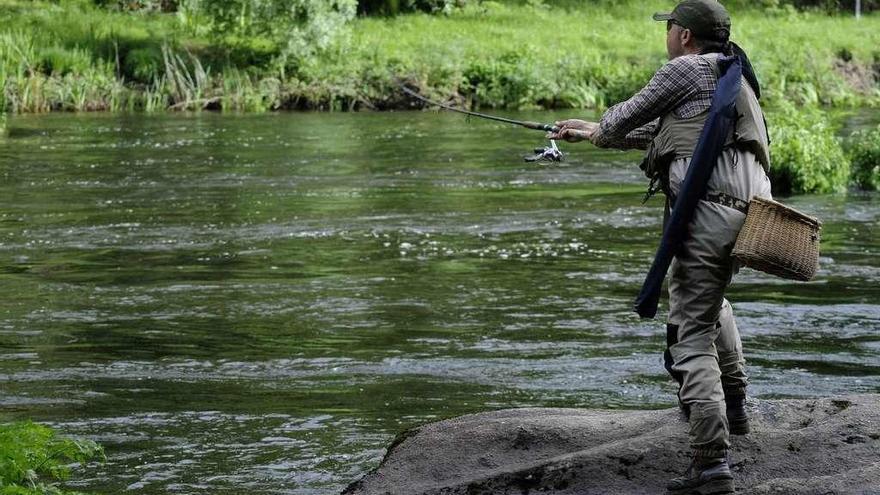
{"points": [[723, 199]]}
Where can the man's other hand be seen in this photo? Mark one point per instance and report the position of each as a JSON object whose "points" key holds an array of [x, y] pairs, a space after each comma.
{"points": [[574, 130]]}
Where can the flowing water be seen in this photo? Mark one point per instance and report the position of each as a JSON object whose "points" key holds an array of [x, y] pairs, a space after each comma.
{"points": [[258, 304]]}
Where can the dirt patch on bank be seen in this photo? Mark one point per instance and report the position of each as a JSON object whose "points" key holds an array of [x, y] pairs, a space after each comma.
{"points": [[863, 77]]}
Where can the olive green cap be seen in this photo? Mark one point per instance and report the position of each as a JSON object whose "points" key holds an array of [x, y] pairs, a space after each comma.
{"points": [[707, 19]]}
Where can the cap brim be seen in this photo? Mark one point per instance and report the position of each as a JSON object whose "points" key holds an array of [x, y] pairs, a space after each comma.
{"points": [[660, 16]]}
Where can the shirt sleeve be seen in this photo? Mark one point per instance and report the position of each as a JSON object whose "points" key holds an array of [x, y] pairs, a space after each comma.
{"points": [[631, 124]]}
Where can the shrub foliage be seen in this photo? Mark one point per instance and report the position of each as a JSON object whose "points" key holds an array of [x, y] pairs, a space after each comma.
{"points": [[33, 459], [805, 154], [863, 150], [299, 27]]}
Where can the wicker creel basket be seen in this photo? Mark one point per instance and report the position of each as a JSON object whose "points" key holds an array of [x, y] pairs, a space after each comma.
{"points": [[779, 240]]}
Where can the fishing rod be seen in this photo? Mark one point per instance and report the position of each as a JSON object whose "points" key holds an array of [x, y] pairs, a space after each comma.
{"points": [[524, 123], [548, 153]]}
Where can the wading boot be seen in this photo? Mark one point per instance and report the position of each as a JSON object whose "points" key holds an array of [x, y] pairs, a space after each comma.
{"points": [[735, 404], [705, 476]]}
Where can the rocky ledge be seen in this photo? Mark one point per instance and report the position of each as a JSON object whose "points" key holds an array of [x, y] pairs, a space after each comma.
{"points": [[820, 446]]}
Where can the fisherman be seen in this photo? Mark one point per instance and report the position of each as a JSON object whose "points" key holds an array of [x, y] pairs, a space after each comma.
{"points": [[666, 117]]}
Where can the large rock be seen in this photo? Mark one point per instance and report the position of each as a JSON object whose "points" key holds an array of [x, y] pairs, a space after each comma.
{"points": [[821, 446]]}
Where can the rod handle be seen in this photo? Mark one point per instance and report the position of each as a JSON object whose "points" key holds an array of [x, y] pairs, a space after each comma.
{"points": [[539, 126]]}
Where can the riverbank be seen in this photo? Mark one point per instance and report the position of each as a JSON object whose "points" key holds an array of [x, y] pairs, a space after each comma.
{"points": [[75, 56]]}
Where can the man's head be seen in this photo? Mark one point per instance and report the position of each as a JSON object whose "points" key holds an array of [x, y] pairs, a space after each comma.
{"points": [[693, 25]]}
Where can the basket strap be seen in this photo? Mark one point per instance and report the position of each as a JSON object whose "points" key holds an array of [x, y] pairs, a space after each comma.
{"points": [[723, 199]]}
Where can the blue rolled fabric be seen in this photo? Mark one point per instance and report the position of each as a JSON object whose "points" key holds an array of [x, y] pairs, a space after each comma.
{"points": [[722, 114]]}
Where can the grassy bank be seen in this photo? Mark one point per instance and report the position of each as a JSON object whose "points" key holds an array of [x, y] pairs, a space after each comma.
{"points": [[502, 56], [74, 56]]}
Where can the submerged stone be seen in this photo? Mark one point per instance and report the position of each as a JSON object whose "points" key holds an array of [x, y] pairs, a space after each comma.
{"points": [[795, 447]]}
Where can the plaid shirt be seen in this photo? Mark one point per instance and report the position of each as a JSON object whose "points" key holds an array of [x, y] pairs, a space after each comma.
{"points": [[684, 85]]}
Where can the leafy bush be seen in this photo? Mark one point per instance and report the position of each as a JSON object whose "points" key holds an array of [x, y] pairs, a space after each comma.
{"points": [[511, 80], [139, 5], [805, 154], [394, 7], [829, 6], [863, 149], [30, 453], [142, 64], [300, 27]]}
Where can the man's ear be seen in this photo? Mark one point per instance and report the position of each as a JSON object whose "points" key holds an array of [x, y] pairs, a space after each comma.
{"points": [[685, 36]]}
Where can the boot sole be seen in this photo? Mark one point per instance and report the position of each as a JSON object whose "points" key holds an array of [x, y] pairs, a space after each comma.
{"points": [[714, 487]]}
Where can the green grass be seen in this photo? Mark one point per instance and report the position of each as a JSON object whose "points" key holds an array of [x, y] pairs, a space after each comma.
{"points": [[73, 56], [596, 56], [497, 56]]}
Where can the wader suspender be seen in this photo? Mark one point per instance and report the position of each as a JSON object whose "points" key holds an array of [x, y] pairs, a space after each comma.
{"points": [[722, 115]]}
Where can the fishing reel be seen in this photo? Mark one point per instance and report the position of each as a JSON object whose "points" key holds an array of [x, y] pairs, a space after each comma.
{"points": [[546, 154]]}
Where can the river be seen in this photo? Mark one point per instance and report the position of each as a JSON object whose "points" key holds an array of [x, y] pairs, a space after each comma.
{"points": [[259, 303]]}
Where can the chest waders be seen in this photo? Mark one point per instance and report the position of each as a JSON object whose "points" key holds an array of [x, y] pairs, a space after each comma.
{"points": [[721, 153]]}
